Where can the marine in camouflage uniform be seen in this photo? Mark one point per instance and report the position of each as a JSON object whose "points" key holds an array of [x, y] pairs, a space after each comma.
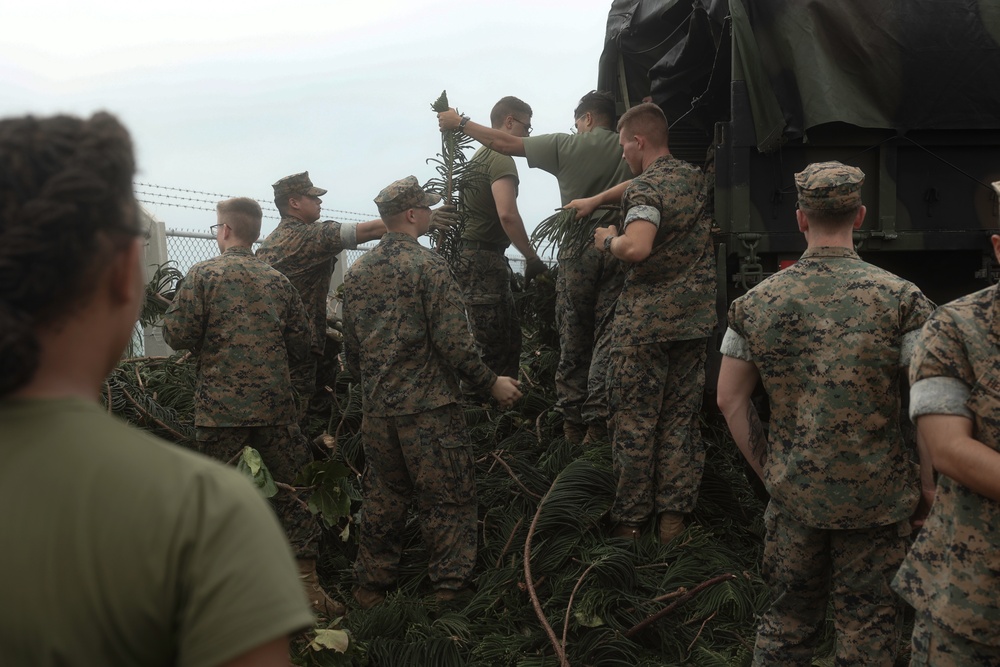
{"points": [[828, 338], [305, 250], [407, 339], [659, 338], [588, 282], [492, 224], [952, 572], [247, 327]]}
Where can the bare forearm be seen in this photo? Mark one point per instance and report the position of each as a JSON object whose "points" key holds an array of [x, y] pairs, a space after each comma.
{"points": [[625, 248], [612, 195], [370, 231], [499, 141], [737, 380], [970, 463], [513, 226], [748, 433]]}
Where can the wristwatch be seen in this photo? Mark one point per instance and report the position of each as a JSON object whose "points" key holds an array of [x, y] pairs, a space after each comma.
{"points": [[461, 123], [607, 243]]}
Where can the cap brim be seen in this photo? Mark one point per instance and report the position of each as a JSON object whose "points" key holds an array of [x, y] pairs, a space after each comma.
{"points": [[430, 200], [315, 192]]}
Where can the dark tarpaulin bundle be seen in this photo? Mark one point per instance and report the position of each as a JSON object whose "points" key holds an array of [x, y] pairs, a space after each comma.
{"points": [[892, 64]]}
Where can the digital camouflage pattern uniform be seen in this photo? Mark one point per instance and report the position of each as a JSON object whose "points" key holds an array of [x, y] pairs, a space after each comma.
{"points": [[483, 270], [246, 325], [407, 338], [664, 315], [829, 336], [306, 253], [952, 572], [588, 282]]}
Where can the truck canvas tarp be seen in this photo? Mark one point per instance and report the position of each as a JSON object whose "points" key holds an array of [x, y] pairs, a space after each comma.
{"points": [[906, 90], [901, 65]]}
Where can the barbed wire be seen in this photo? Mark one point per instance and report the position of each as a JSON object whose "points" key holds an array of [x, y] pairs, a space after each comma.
{"points": [[269, 203]]}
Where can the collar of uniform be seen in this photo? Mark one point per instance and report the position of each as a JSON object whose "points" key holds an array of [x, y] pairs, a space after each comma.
{"points": [[292, 220], [830, 251], [238, 250], [399, 236]]}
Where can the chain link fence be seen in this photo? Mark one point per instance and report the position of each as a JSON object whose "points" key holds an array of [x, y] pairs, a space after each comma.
{"points": [[186, 248]]}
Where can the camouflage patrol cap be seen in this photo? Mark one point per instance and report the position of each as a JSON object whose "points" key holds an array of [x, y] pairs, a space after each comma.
{"points": [[403, 194], [829, 186], [296, 184]]}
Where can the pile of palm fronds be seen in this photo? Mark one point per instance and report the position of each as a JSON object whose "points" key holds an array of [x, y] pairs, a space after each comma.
{"points": [[552, 587]]}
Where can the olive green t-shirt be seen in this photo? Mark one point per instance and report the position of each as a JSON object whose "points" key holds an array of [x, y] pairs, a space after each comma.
{"points": [[120, 549], [483, 223], [584, 164]]}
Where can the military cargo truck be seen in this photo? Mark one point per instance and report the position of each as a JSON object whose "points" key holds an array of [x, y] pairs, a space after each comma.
{"points": [[907, 90]]}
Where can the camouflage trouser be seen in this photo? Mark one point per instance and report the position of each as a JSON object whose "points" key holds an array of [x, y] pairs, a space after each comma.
{"points": [[933, 646], [426, 458], [485, 276], [655, 395], [805, 567], [304, 380], [587, 288], [285, 452]]}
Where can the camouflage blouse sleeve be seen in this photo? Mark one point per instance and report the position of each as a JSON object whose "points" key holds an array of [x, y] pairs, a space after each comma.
{"points": [[297, 334], [941, 376], [335, 236], [352, 346], [184, 321], [734, 343], [641, 201], [449, 328], [915, 310]]}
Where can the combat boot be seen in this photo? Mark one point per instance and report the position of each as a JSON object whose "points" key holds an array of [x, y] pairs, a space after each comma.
{"points": [[574, 432], [669, 526], [320, 601]]}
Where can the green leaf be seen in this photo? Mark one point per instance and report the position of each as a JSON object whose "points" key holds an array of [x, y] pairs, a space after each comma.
{"points": [[334, 640], [329, 497], [252, 458], [441, 103], [252, 465], [588, 620]]}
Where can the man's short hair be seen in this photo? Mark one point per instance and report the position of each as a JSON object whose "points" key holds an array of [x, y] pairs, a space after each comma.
{"points": [[645, 120], [831, 220], [600, 105], [508, 106], [243, 215]]}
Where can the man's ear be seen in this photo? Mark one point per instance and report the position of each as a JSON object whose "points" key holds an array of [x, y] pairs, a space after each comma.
{"points": [[862, 210], [800, 218]]}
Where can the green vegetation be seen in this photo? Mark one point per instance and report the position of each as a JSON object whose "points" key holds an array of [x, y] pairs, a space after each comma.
{"points": [[549, 579]]}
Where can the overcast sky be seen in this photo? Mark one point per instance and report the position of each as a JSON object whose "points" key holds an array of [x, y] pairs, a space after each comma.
{"points": [[226, 97]]}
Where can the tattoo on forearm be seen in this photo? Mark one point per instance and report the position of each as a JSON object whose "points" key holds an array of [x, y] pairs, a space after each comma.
{"points": [[758, 439]]}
